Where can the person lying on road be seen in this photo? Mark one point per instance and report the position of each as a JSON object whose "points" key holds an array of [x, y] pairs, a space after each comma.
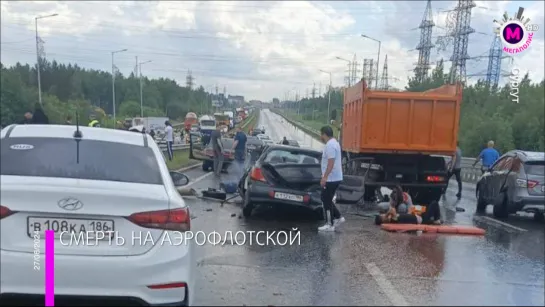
{"points": [[429, 215]]}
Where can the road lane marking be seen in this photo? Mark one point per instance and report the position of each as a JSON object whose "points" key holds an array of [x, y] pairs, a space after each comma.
{"points": [[187, 168], [503, 223], [199, 179], [385, 285]]}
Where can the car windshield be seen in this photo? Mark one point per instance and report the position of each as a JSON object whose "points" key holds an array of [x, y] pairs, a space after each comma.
{"points": [[98, 160], [285, 156], [535, 168], [208, 123]]}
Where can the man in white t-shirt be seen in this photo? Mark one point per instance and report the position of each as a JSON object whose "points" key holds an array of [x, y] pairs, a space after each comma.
{"points": [[169, 136], [332, 175]]}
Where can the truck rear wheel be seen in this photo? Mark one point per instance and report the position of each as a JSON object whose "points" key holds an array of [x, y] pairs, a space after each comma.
{"points": [[426, 195], [370, 193]]}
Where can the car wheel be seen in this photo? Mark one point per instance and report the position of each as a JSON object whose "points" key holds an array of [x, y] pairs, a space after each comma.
{"points": [[481, 202], [205, 166], [247, 206], [539, 216], [500, 209]]}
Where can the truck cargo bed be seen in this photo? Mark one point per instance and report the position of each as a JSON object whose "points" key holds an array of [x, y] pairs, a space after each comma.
{"points": [[401, 122]]}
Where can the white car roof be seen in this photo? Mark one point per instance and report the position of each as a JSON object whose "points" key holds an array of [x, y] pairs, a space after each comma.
{"points": [[67, 131]]}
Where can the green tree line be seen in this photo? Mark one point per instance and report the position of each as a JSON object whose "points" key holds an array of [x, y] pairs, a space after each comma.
{"points": [[487, 113], [67, 88]]}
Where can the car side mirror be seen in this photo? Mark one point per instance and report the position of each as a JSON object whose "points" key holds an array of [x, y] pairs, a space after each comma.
{"points": [[179, 179]]}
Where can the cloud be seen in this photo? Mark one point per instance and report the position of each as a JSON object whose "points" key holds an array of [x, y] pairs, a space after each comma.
{"points": [[257, 49]]}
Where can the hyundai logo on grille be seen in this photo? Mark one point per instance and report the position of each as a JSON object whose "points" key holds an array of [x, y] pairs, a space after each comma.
{"points": [[70, 204]]}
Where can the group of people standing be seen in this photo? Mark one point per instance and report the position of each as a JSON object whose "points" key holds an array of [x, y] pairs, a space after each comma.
{"points": [[238, 150], [487, 157]]}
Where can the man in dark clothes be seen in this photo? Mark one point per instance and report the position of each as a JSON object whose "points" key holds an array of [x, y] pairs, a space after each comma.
{"points": [[217, 146], [239, 147], [455, 169], [285, 141], [27, 119], [39, 116], [432, 215]]}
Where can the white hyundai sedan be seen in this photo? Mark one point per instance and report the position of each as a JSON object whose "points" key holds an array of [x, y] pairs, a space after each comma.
{"points": [[117, 218]]}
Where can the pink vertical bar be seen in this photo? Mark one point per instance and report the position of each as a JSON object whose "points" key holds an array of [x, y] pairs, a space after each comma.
{"points": [[49, 268]]}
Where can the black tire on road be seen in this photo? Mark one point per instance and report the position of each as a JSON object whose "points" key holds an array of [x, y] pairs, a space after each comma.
{"points": [[247, 206], [370, 193], [426, 195], [481, 202], [500, 209]]}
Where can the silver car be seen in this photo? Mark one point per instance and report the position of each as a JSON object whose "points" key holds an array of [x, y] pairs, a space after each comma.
{"points": [[514, 183]]}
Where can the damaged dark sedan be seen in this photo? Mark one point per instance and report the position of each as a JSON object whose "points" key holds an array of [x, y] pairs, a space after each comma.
{"points": [[283, 176]]}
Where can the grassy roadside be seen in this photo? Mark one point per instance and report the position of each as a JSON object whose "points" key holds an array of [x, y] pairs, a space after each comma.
{"points": [[315, 125], [252, 121], [180, 160]]}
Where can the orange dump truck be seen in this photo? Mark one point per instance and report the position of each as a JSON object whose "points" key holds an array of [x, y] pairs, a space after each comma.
{"points": [[396, 137]]}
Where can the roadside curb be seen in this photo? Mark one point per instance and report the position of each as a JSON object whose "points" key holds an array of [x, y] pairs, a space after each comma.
{"points": [[187, 168]]}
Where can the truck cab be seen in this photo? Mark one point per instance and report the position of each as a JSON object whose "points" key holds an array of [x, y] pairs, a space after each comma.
{"points": [[207, 124]]}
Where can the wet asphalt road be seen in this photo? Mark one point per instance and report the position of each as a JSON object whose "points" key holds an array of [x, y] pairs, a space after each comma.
{"points": [[361, 264]]}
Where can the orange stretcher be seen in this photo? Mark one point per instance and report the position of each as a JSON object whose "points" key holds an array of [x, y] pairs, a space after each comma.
{"points": [[451, 229]]}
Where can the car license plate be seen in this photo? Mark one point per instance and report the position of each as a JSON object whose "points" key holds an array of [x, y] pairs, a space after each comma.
{"points": [[251, 147], [286, 196], [76, 226]]}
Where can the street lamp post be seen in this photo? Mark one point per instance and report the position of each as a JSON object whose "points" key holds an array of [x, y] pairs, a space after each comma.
{"points": [[141, 96], [38, 55], [378, 57], [349, 69], [113, 82], [329, 96]]}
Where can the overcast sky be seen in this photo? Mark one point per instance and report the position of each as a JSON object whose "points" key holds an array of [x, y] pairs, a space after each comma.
{"points": [[257, 49]]}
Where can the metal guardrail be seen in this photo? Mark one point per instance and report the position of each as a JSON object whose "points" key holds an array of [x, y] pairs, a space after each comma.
{"points": [[174, 147], [469, 173]]}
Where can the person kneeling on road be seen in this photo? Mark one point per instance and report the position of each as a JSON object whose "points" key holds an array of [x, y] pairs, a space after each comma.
{"points": [[429, 215], [399, 200]]}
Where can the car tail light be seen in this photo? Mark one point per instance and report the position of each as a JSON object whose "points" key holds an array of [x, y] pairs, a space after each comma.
{"points": [[175, 219], [306, 198], [168, 286], [257, 174], [435, 179], [4, 212], [530, 184]]}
